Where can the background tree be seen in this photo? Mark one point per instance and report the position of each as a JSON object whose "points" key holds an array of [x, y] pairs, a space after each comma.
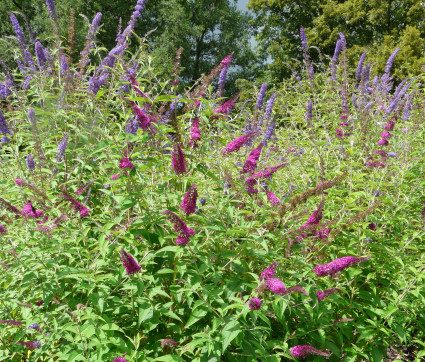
{"points": [[376, 26], [207, 30]]}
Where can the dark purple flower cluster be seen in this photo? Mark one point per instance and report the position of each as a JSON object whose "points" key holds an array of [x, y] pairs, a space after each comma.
{"points": [[130, 264]]}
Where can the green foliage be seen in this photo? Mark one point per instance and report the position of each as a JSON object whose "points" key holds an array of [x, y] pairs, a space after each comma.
{"points": [[66, 272]]}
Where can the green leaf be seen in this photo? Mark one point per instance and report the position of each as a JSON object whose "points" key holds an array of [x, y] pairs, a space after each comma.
{"points": [[230, 332]]}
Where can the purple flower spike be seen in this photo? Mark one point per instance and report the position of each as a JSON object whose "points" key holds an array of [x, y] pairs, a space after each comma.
{"points": [[383, 142], [269, 107], [30, 163], [223, 74], [189, 201], [302, 351], [177, 161], [18, 30], [359, 69], [10, 322], [254, 303], [4, 129], [41, 56], [390, 61], [51, 7], [261, 95], [270, 271], [62, 147], [130, 264], [337, 265], [276, 286], [309, 112], [29, 211]]}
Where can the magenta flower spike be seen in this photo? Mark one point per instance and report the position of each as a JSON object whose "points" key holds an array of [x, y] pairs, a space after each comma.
{"points": [[195, 133], [167, 342], [29, 211], [130, 264], [337, 265], [237, 143], [276, 286], [298, 289], [126, 163], [272, 198], [270, 271], [177, 161], [326, 293], [180, 228], [226, 108], [189, 201], [77, 206], [3, 230], [119, 359], [383, 142], [302, 351], [254, 303], [252, 180], [10, 322], [315, 217], [251, 162], [386, 135]]}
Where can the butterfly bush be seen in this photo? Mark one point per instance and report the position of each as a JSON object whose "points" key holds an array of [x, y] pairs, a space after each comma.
{"points": [[337, 265], [130, 264], [188, 204]]}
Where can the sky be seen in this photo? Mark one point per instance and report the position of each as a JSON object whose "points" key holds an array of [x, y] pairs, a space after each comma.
{"points": [[242, 4]]}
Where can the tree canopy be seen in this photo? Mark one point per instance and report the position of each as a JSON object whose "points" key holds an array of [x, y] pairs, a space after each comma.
{"points": [[207, 30], [376, 26]]}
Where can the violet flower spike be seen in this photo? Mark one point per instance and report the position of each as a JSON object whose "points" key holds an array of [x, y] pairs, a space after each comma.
{"points": [[269, 107], [62, 147], [261, 95], [390, 61], [51, 7], [30, 163], [4, 129], [41, 56]]}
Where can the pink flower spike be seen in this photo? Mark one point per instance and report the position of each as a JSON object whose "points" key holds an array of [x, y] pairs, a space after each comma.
{"points": [[270, 271], [177, 160], [189, 201], [167, 342], [251, 161], [254, 303], [386, 135], [296, 288], [383, 142], [337, 265], [237, 143], [326, 293], [272, 198], [226, 108], [29, 211], [195, 134], [302, 351], [130, 264], [180, 228], [116, 176], [19, 182], [276, 286]]}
